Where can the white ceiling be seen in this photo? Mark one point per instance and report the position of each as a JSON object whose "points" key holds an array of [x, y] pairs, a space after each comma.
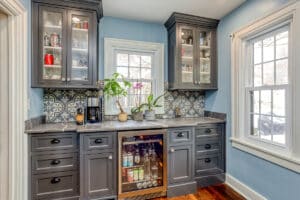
{"points": [[158, 11]]}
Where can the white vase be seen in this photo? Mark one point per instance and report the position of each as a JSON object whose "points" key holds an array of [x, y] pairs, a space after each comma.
{"points": [[150, 115]]}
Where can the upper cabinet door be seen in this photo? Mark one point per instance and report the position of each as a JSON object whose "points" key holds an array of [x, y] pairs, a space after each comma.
{"points": [[82, 39], [205, 56], [186, 63], [52, 45]]}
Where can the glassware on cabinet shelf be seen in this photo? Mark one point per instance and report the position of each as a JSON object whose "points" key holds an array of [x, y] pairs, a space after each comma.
{"points": [[187, 50], [52, 48], [205, 57], [80, 47]]}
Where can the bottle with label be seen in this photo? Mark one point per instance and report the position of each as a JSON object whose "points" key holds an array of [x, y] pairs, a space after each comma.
{"points": [[137, 157], [136, 174], [154, 171], [129, 159], [147, 173], [141, 174], [130, 175], [125, 159]]}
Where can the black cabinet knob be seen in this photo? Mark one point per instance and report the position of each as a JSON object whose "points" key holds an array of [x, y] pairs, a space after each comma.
{"points": [[55, 162], [207, 160], [55, 141], [208, 130], [207, 146], [180, 134], [55, 180], [98, 141]]}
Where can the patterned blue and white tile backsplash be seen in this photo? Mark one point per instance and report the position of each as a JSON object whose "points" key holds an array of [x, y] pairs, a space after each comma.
{"points": [[61, 105]]}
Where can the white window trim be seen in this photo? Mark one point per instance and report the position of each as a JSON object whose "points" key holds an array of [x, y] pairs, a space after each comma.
{"points": [[112, 44], [290, 157]]}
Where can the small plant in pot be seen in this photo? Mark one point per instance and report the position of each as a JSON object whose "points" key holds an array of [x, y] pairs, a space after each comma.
{"points": [[137, 111], [151, 105], [114, 88]]}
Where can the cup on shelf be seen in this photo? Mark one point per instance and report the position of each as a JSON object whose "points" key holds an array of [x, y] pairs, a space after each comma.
{"points": [[48, 59]]}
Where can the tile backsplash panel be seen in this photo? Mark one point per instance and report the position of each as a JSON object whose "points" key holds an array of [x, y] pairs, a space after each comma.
{"points": [[61, 105]]}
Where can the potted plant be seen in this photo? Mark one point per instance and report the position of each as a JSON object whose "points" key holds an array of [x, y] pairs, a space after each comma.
{"points": [[113, 88], [151, 104], [137, 111]]}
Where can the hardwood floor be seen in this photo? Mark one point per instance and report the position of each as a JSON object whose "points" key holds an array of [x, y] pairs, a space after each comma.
{"points": [[218, 192]]}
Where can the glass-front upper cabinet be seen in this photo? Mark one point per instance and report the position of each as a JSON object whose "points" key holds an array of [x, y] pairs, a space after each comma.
{"points": [[52, 47], [64, 45], [80, 59], [187, 55], [192, 52], [205, 56]]}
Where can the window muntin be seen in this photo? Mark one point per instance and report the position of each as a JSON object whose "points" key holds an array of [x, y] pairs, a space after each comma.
{"points": [[268, 89], [135, 66]]}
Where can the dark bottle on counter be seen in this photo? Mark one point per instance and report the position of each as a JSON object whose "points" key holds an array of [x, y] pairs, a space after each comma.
{"points": [[79, 116]]}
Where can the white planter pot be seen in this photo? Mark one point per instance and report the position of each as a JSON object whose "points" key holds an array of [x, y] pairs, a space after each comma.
{"points": [[150, 115]]}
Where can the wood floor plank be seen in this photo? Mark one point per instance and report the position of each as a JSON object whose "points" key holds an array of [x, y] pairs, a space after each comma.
{"points": [[218, 192]]}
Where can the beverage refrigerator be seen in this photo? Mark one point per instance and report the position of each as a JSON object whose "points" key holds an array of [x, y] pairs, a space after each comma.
{"points": [[142, 164]]}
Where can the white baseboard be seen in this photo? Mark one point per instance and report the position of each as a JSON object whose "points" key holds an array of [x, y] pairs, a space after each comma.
{"points": [[243, 189]]}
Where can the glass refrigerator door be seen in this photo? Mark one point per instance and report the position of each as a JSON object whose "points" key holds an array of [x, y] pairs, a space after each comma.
{"points": [[205, 57], [142, 162], [80, 48], [187, 58], [52, 45]]}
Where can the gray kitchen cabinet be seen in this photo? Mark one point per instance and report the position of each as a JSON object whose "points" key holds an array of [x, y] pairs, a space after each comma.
{"points": [[209, 154], [192, 52], [53, 167], [99, 173], [64, 45], [98, 170], [180, 162]]}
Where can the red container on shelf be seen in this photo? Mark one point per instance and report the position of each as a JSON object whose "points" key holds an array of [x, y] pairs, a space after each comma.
{"points": [[48, 59], [85, 25]]}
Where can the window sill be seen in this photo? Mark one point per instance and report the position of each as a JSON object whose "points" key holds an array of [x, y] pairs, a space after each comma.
{"points": [[289, 162]]}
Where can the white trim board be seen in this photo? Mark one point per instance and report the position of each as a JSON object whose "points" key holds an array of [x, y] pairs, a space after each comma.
{"points": [[243, 189], [17, 86]]}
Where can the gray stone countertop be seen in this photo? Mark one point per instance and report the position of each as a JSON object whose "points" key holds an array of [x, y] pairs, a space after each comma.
{"points": [[122, 126]]}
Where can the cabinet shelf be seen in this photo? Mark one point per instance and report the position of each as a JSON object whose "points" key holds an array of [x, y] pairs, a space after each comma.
{"points": [[52, 66], [80, 67], [80, 30], [203, 47], [142, 142], [52, 27], [141, 181], [50, 47], [79, 49]]}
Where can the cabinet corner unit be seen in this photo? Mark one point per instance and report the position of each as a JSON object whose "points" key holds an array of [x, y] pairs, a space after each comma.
{"points": [[192, 52], [65, 43]]}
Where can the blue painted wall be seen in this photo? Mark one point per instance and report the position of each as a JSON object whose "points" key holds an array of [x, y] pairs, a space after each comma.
{"points": [[35, 95], [131, 30], [270, 180]]}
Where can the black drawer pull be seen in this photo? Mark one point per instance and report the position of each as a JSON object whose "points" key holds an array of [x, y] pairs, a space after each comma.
{"points": [[208, 130], [55, 180], [55, 141], [207, 146], [55, 162], [180, 134], [98, 141], [207, 160]]}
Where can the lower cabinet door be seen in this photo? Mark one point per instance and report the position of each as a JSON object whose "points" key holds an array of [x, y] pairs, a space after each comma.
{"points": [[180, 164], [98, 176]]}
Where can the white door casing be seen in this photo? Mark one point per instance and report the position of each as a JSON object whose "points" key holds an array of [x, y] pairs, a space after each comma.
{"points": [[13, 84]]}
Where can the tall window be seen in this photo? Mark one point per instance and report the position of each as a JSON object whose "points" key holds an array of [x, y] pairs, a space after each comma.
{"points": [[268, 86], [139, 62], [136, 67]]}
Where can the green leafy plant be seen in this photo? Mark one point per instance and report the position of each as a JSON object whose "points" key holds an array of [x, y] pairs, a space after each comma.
{"points": [[137, 109], [152, 103], [114, 88]]}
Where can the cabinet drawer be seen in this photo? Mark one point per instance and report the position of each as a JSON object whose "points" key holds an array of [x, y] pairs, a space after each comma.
{"points": [[208, 130], [55, 185], [181, 135], [54, 163], [49, 142], [98, 141], [208, 146], [208, 165]]}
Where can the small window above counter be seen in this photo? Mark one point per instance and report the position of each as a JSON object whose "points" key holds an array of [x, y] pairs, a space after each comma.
{"points": [[65, 43], [192, 52]]}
